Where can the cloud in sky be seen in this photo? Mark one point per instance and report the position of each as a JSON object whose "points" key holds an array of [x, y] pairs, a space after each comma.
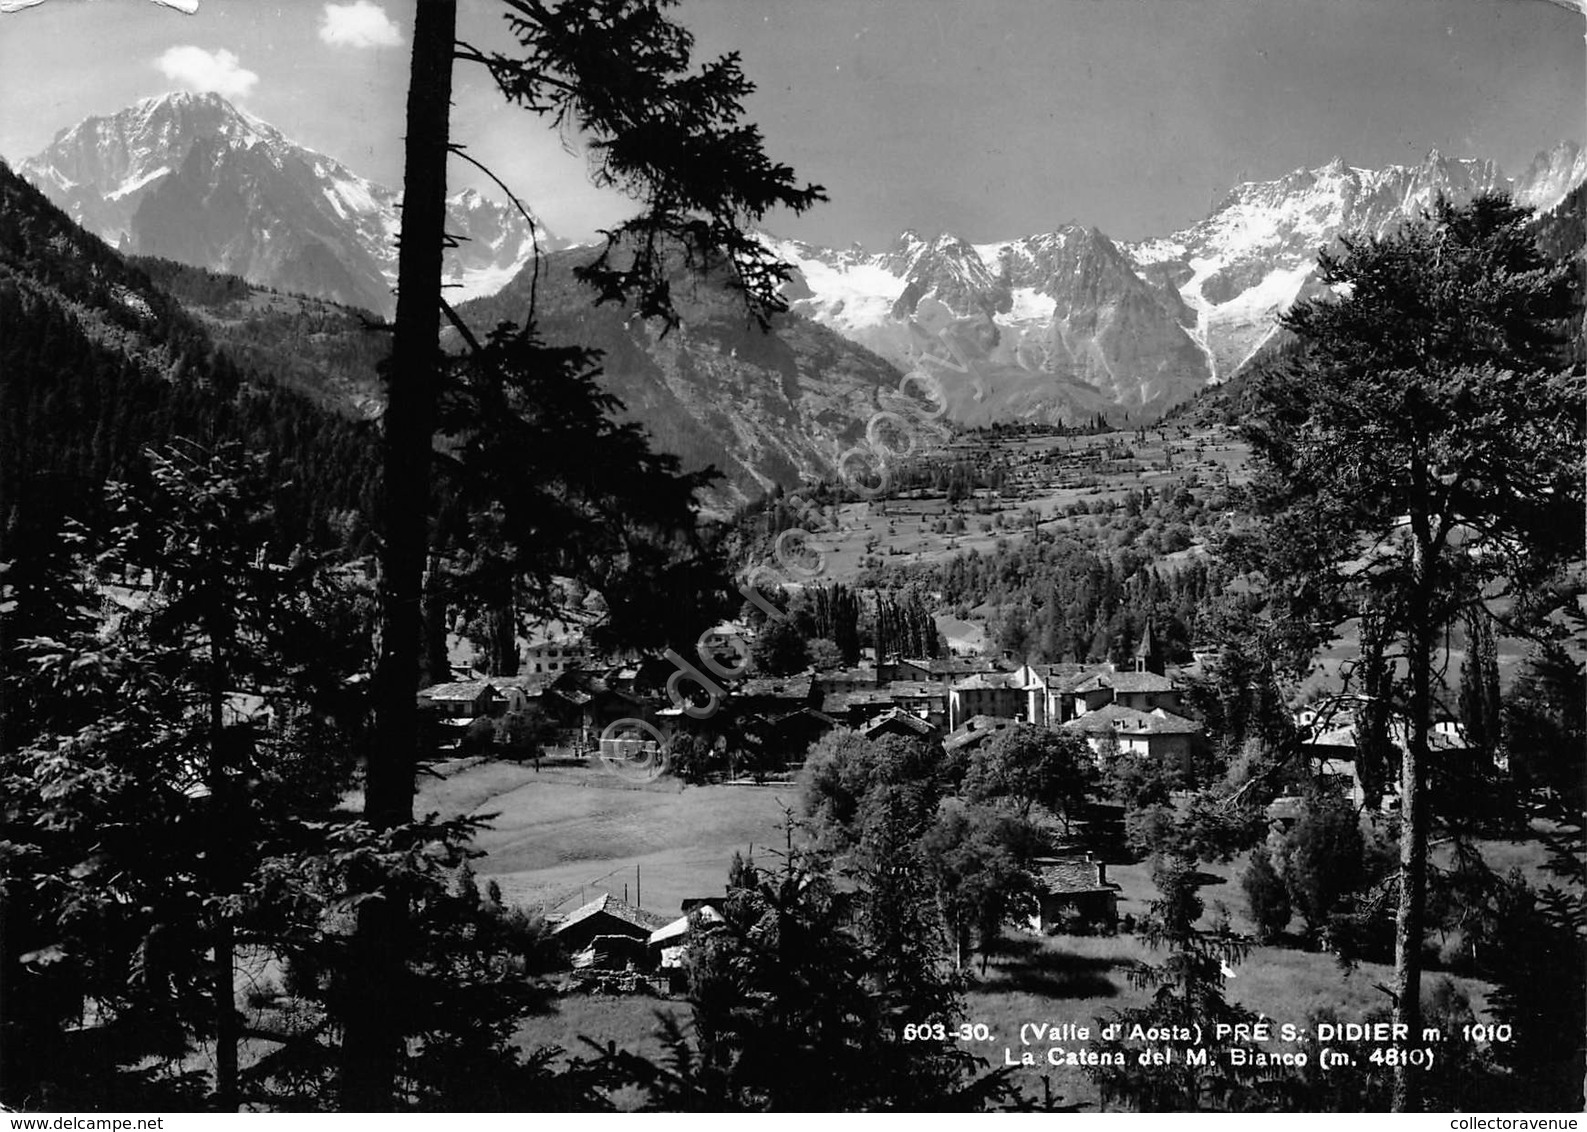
{"points": [[359, 24], [200, 70]]}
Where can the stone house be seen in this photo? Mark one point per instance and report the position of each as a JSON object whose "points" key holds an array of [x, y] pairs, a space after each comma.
{"points": [[1074, 889]]}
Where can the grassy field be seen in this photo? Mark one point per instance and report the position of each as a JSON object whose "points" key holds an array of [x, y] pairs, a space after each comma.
{"points": [[566, 833]]}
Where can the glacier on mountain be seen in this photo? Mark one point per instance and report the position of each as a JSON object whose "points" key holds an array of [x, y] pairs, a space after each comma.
{"points": [[1061, 325]]}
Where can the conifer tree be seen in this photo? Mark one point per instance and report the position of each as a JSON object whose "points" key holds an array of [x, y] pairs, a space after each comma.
{"points": [[1424, 444], [1187, 997], [617, 72], [174, 743]]}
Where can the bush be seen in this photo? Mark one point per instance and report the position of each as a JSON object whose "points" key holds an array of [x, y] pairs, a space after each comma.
{"points": [[1324, 860], [1266, 896], [1151, 829]]}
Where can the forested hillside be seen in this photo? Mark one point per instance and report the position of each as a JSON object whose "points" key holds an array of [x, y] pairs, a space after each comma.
{"points": [[763, 406], [98, 363]]}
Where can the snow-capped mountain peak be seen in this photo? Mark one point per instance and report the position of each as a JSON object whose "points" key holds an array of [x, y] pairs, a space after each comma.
{"points": [[194, 178], [1066, 323]]}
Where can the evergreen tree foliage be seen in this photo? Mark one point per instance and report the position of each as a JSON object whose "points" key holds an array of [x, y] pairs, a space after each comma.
{"points": [[187, 721], [1321, 858], [1266, 896], [97, 365], [1481, 709], [1186, 998], [619, 72], [797, 1009], [1427, 418]]}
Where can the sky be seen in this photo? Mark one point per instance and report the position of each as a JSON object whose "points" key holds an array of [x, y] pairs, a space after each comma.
{"points": [[987, 118]]}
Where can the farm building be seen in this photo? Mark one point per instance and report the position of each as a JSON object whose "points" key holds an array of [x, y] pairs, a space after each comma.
{"points": [[1071, 889], [605, 916], [667, 942]]}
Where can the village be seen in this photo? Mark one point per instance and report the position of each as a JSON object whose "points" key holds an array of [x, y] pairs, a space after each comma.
{"points": [[578, 712]]}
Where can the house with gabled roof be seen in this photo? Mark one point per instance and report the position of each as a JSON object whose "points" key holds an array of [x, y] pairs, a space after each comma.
{"points": [[944, 670], [835, 680], [780, 736], [1143, 691], [463, 699], [1049, 689], [668, 942], [604, 916], [1071, 889], [974, 731], [897, 721], [1157, 734], [859, 707], [762, 694], [1001, 694], [589, 703]]}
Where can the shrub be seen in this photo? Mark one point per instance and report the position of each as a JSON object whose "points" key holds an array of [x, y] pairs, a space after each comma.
{"points": [[1266, 896]]}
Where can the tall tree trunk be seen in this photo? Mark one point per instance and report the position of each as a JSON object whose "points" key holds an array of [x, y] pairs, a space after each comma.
{"points": [[410, 416], [1408, 924], [222, 932], [373, 1034]]}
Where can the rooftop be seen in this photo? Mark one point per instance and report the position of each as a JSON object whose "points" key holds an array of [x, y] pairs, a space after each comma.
{"points": [[975, 730], [985, 681], [615, 908], [898, 716], [462, 690], [860, 675], [1071, 874], [950, 665], [913, 689], [1126, 682], [1139, 682], [1120, 720], [777, 687], [704, 914]]}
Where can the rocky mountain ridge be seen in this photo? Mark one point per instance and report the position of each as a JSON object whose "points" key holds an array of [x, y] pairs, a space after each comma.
{"points": [[1060, 325]]}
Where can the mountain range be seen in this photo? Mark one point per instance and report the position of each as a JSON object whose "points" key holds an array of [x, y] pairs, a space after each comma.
{"points": [[1060, 326], [190, 177], [1063, 324]]}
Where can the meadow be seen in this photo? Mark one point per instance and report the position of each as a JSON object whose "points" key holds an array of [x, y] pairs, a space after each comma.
{"points": [[568, 833]]}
